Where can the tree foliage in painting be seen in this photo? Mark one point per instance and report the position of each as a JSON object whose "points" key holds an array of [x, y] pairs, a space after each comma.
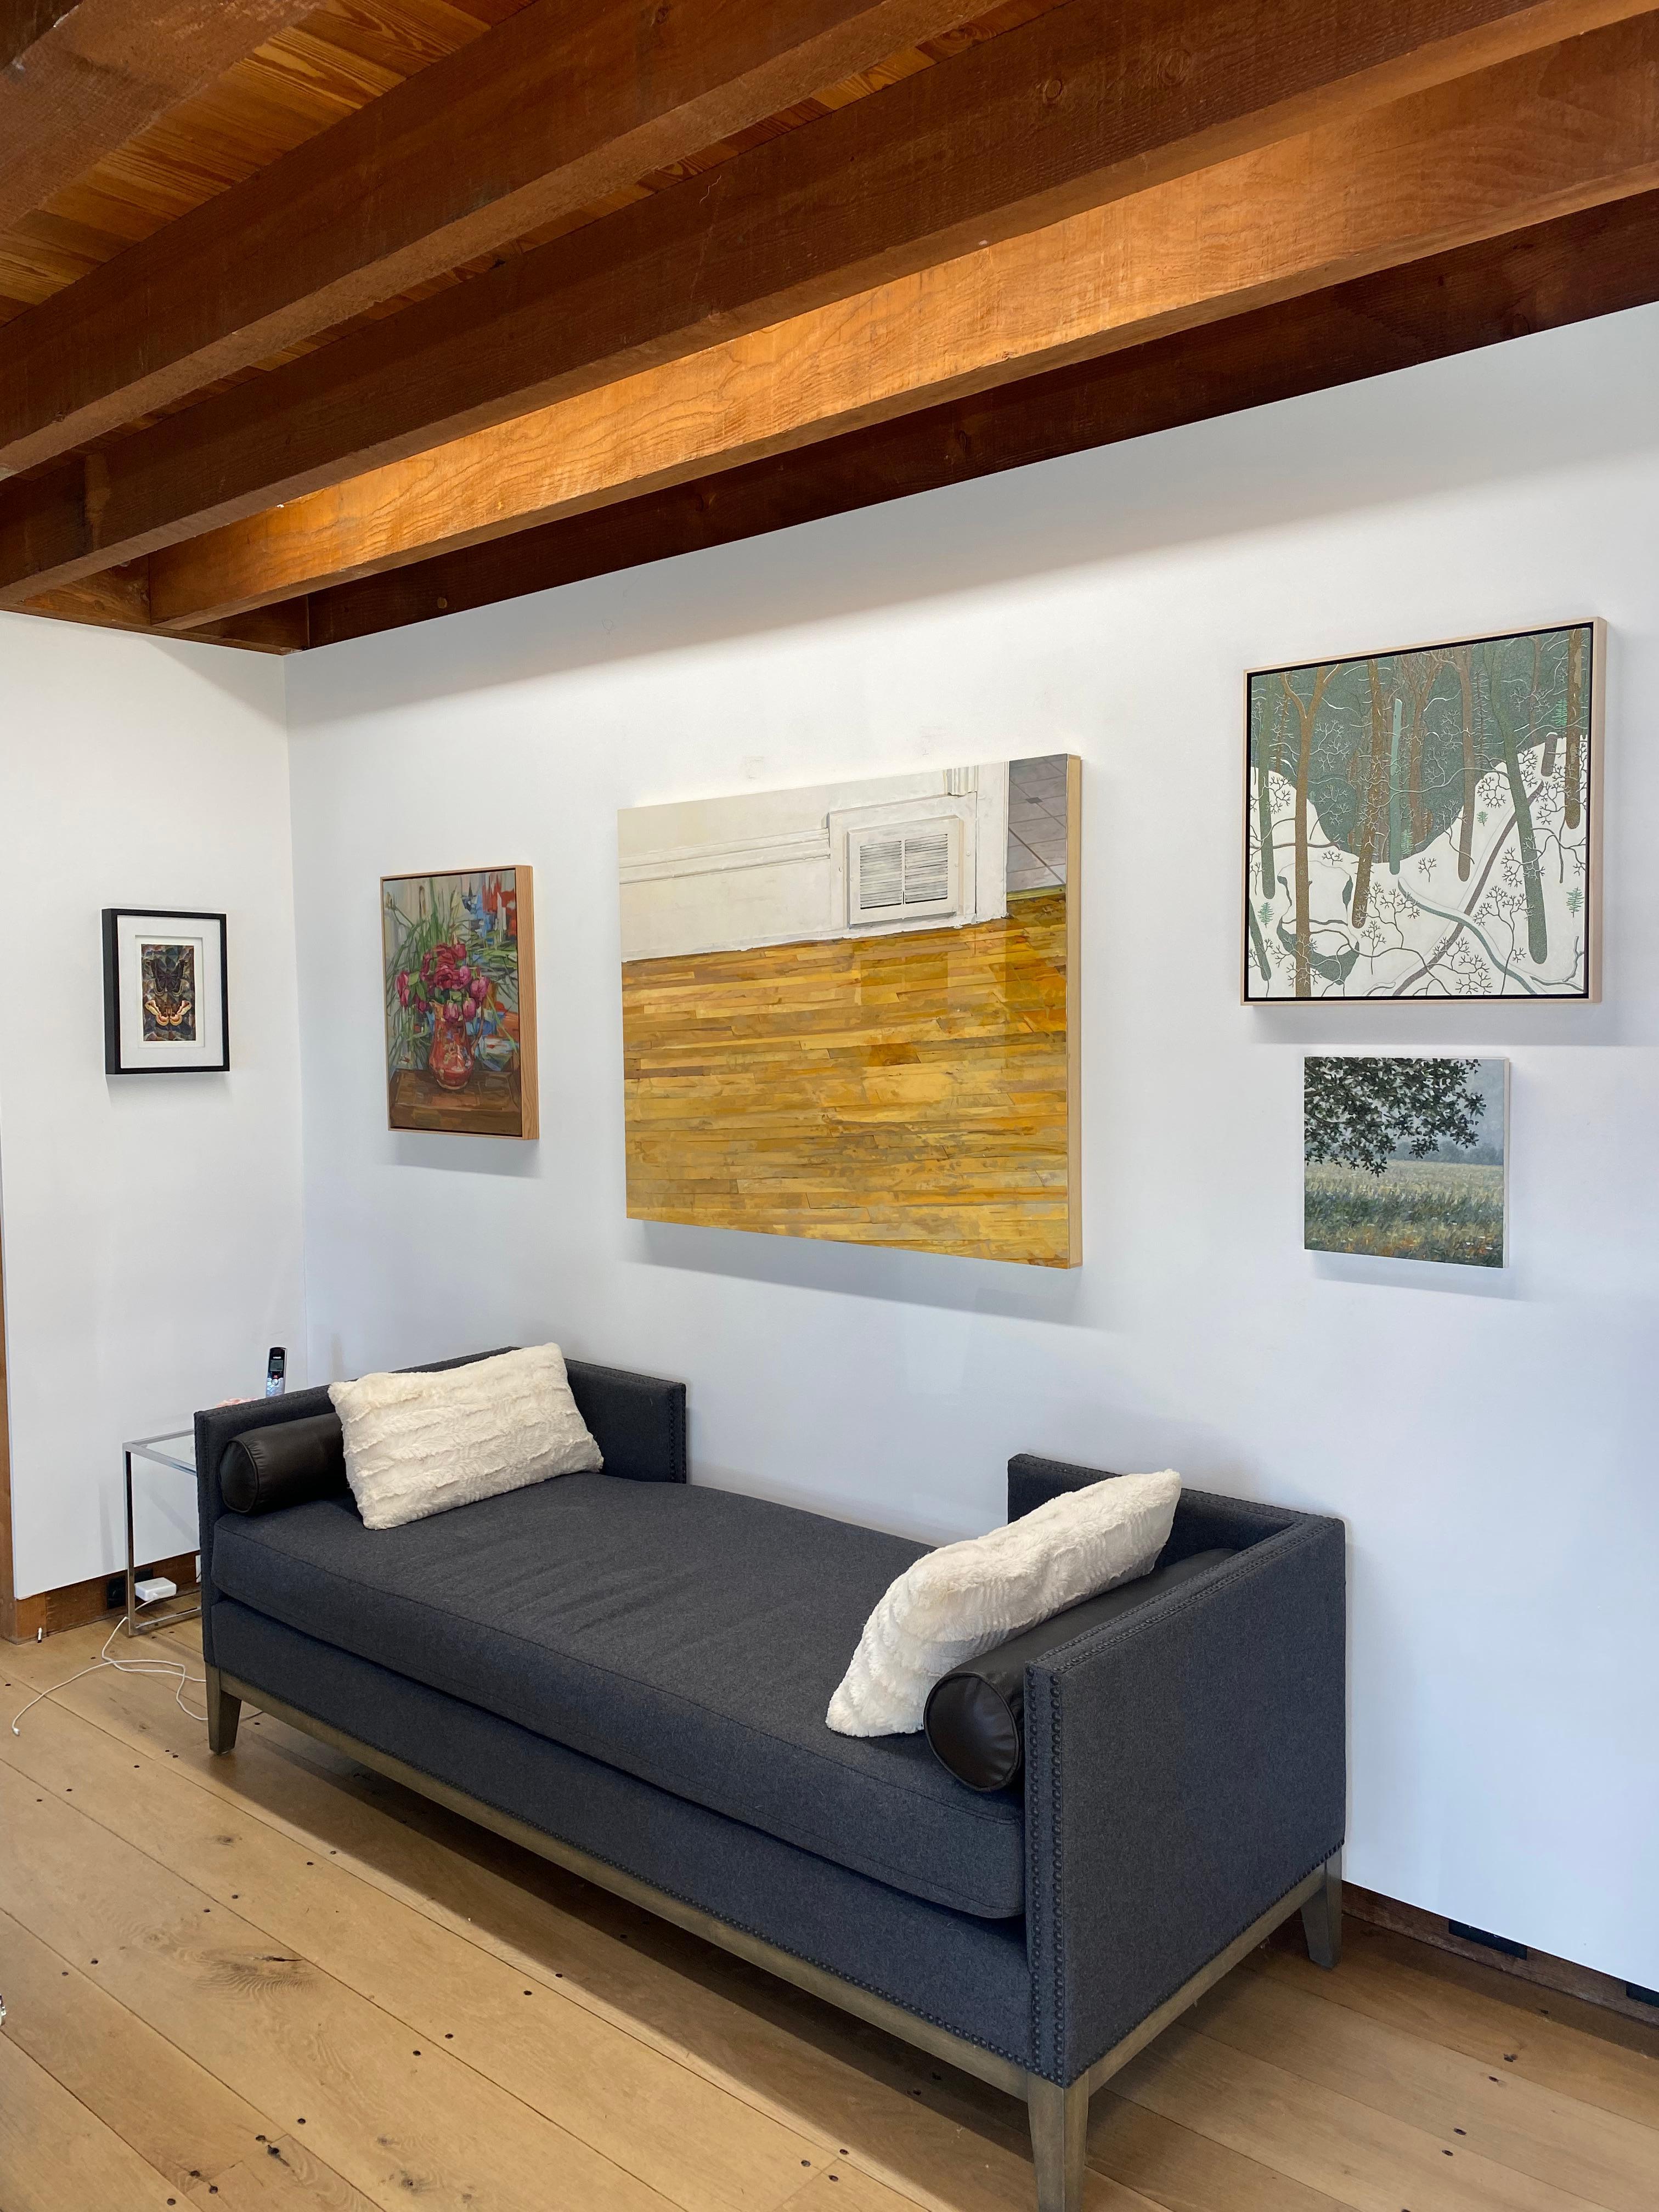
{"points": [[1418, 821], [1360, 1113]]}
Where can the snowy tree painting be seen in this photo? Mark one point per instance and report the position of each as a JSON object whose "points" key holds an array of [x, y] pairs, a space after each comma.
{"points": [[1419, 823]]}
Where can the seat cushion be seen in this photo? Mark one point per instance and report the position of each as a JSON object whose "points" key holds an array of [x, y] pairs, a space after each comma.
{"points": [[969, 1974], [687, 1635]]}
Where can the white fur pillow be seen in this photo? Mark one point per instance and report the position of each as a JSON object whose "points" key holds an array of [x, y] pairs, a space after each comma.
{"points": [[966, 1598], [416, 1444]]}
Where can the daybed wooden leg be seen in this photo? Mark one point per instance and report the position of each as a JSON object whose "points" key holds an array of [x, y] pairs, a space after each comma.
{"points": [[223, 1713], [1321, 1918], [1060, 2125]]}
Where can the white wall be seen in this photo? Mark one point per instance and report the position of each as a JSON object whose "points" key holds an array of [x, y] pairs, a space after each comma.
{"points": [[1488, 1437], [151, 1222]]}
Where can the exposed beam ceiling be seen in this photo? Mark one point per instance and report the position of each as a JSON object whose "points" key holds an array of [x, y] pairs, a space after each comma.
{"points": [[564, 103], [1071, 111], [119, 599], [23, 21], [1594, 263], [77, 80], [623, 278], [1570, 127]]}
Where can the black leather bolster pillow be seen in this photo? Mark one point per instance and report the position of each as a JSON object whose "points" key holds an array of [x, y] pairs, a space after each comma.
{"points": [[263, 1469], [975, 1715]]}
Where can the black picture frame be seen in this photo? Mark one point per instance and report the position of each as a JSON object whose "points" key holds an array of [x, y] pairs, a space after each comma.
{"points": [[113, 916]]}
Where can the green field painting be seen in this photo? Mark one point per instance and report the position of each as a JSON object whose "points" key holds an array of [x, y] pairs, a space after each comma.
{"points": [[1414, 1210], [1406, 1159]]}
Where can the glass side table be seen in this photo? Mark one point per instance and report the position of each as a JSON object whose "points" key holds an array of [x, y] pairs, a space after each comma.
{"points": [[182, 1458]]}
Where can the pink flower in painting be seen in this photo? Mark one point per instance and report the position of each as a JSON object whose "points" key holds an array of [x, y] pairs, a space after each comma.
{"points": [[479, 986], [403, 986]]}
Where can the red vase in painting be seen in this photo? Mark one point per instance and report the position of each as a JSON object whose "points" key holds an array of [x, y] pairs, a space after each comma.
{"points": [[451, 1057]]}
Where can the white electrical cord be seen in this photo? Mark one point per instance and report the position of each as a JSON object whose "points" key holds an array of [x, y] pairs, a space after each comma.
{"points": [[177, 1668]]}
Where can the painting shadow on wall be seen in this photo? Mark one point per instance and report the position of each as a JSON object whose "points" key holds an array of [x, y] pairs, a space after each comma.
{"points": [[1492, 1027], [1462, 1282], [952, 1284], [461, 1155]]}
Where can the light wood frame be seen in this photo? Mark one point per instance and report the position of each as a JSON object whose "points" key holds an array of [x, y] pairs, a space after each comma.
{"points": [[524, 895], [1074, 1010], [1595, 738]]}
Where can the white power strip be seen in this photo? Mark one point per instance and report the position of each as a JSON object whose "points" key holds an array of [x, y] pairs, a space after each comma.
{"points": [[152, 1589]]}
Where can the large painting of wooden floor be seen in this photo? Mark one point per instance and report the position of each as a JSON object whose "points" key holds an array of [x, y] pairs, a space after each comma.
{"points": [[906, 1089], [275, 1982]]}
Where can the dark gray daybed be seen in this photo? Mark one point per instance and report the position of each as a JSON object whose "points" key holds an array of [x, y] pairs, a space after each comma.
{"points": [[628, 1673]]}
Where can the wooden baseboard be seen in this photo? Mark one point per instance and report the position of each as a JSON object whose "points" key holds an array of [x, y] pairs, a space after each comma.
{"points": [[1541, 1968], [77, 1603]]}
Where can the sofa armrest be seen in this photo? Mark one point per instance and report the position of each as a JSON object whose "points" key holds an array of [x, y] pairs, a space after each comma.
{"points": [[216, 1429], [638, 1421], [1185, 1768], [1205, 1521], [1034, 1482]]}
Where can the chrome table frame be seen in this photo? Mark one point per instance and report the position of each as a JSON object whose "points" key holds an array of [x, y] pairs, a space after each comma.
{"points": [[144, 1447]]}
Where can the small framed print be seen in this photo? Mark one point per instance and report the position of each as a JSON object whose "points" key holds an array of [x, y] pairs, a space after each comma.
{"points": [[166, 999]]}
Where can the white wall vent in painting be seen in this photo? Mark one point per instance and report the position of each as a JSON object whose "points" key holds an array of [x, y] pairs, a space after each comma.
{"points": [[903, 872], [870, 858]]}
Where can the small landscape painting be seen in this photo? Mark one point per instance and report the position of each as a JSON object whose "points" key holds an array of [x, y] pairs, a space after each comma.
{"points": [[460, 1002], [1421, 823], [1406, 1159]]}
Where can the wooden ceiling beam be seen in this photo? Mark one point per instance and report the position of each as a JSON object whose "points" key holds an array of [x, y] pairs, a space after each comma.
{"points": [[24, 22], [119, 599], [80, 77], [1574, 126], [548, 112], [1594, 263], [1070, 111]]}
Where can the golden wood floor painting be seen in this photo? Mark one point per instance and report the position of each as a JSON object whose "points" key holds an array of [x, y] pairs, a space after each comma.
{"points": [[847, 1010]]}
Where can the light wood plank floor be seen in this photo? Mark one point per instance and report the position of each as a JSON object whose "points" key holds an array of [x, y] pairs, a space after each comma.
{"points": [[276, 1982]]}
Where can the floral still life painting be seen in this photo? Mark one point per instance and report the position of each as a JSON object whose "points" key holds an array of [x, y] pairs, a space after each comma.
{"points": [[1421, 824], [1406, 1159], [460, 1002]]}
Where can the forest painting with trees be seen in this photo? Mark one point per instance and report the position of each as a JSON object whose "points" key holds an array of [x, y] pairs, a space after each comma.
{"points": [[1419, 824], [1406, 1159]]}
